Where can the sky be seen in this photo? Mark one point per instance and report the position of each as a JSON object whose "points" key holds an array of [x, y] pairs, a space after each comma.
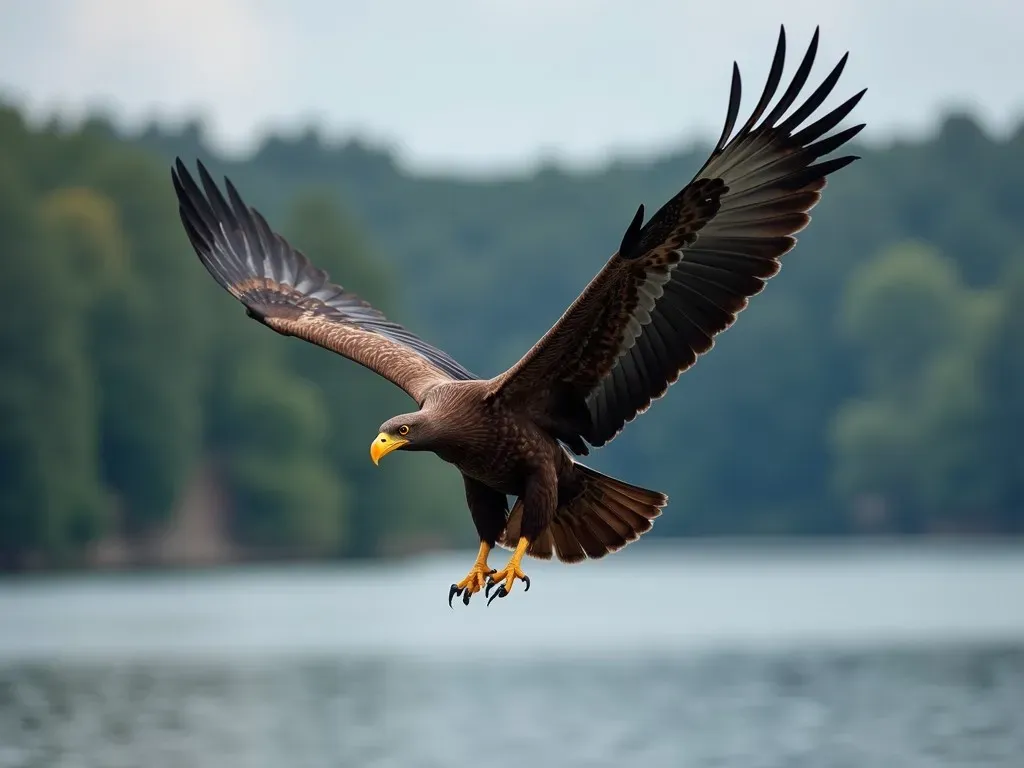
{"points": [[493, 85]]}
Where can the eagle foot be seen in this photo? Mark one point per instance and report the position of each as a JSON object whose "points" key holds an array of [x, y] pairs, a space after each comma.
{"points": [[506, 577], [496, 577], [475, 580]]}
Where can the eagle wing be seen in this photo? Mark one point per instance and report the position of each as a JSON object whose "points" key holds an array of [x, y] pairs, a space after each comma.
{"points": [[682, 278], [282, 289]]}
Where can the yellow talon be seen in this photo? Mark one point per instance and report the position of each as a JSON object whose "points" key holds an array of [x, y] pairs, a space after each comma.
{"points": [[507, 576], [475, 580]]}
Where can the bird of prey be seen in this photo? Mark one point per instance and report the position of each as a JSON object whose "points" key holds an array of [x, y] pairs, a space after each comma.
{"points": [[655, 306]]}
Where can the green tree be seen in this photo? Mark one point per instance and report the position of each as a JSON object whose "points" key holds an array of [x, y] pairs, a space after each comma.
{"points": [[1001, 369], [149, 341], [900, 312], [914, 437], [272, 436], [50, 501]]}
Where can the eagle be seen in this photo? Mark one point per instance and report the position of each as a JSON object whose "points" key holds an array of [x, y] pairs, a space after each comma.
{"points": [[654, 307]]}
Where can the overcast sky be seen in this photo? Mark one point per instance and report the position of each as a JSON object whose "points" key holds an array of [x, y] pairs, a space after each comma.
{"points": [[483, 84]]}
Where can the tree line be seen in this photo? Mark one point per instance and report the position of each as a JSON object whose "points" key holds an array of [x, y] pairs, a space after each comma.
{"points": [[875, 386]]}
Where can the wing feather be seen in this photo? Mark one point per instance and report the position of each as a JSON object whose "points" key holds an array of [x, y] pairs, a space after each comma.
{"points": [[282, 289], [682, 278]]}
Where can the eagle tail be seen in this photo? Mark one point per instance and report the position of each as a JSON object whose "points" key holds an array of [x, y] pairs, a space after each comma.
{"points": [[601, 515]]}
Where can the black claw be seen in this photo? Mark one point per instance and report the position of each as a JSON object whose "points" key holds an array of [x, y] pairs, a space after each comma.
{"points": [[526, 581], [452, 593], [465, 597], [501, 592], [487, 587]]}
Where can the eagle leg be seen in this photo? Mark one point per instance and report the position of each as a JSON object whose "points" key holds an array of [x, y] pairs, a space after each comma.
{"points": [[507, 576], [475, 579]]}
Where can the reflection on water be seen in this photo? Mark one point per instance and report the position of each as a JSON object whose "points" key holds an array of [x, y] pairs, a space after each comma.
{"points": [[684, 657]]}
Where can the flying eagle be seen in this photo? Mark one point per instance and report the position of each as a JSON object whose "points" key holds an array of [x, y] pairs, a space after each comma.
{"points": [[652, 310]]}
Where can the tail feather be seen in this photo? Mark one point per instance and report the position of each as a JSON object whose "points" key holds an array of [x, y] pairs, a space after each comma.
{"points": [[603, 516]]}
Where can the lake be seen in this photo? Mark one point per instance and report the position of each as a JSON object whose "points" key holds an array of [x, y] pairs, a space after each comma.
{"points": [[664, 655]]}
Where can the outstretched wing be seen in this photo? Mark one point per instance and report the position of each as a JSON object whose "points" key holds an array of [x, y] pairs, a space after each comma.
{"points": [[281, 288], [682, 278]]}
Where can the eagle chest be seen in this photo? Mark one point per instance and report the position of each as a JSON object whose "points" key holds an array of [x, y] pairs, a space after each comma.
{"points": [[501, 460]]}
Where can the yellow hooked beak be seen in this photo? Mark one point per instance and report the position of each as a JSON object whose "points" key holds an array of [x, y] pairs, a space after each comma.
{"points": [[384, 444]]}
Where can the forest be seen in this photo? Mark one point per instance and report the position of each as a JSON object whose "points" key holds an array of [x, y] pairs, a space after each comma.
{"points": [[875, 387]]}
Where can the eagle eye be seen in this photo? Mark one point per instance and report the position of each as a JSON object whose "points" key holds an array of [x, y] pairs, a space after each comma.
{"points": [[403, 430]]}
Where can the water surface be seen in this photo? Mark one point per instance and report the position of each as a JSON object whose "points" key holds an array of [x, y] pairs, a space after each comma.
{"points": [[661, 656]]}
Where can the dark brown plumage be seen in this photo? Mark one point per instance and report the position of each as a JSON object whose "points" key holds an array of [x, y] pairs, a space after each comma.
{"points": [[656, 306]]}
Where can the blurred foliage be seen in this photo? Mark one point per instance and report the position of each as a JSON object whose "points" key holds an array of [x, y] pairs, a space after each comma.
{"points": [[877, 384]]}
